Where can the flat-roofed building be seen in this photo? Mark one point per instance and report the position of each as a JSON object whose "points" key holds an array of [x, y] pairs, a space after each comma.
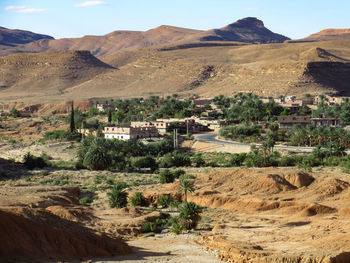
{"points": [[130, 133], [326, 122], [288, 122]]}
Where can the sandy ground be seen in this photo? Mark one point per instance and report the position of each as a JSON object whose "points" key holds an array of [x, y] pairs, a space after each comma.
{"points": [[166, 248]]}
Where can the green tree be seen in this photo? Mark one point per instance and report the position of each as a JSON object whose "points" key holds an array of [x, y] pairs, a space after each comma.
{"points": [[189, 214], [72, 122], [185, 187], [118, 197], [97, 158]]}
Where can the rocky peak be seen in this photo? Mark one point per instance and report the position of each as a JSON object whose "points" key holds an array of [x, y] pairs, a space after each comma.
{"points": [[248, 22]]}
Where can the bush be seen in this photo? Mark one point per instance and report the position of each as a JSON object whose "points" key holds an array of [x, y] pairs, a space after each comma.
{"points": [[31, 161], [150, 227], [62, 135], [85, 200], [237, 159], [177, 227], [118, 197], [178, 173], [164, 200], [190, 214], [175, 159], [166, 176], [15, 113], [144, 162], [197, 160], [286, 161], [138, 200]]}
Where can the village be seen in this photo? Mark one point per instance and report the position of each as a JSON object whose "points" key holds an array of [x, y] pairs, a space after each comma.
{"points": [[208, 117], [196, 124]]}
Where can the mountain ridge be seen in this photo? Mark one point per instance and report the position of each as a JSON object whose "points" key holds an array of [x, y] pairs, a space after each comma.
{"points": [[247, 30]]}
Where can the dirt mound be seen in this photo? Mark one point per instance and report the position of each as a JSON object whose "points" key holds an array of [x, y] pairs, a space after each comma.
{"points": [[331, 187], [299, 179], [272, 184], [317, 209], [40, 236]]}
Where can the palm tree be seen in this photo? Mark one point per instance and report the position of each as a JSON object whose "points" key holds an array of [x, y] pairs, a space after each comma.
{"points": [[186, 186]]}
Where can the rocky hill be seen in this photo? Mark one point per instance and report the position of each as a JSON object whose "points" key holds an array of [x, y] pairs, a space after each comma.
{"points": [[327, 35], [47, 73], [207, 70], [248, 30], [13, 37]]}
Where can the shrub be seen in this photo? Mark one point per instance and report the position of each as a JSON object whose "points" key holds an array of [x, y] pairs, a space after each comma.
{"points": [[166, 176], [150, 227], [164, 200], [175, 159], [174, 204], [31, 161], [62, 135], [85, 200], [190, 214], [286, 161], [197, 160], [177, 227], [118, 197], [15, 113], [138, 200], [237, 159], [144, 162], [178, 173]]}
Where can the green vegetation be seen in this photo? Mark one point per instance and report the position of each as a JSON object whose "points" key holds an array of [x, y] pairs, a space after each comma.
{"points": [[138, 200], [31, 161], [118, 197], [166, 177], [164, 200]]}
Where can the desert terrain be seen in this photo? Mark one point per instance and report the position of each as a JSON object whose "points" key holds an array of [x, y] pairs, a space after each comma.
{"points": [[266, 70], [250, 214], [244, 56]]}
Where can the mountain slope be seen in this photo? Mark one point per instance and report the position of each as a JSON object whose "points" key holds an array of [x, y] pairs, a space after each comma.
{"points": [[268, 70], [47, 73], [249, 30], [327, 35], [108, 44], [12, 37]]}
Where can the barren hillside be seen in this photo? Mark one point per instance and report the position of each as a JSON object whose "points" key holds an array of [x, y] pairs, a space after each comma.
{"points": [[207, 70], [248, 30], [12, 37], [47, 73], [327, 35]]}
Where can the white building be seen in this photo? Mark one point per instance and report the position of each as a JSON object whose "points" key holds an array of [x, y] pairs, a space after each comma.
{"points": [[130, 133]]}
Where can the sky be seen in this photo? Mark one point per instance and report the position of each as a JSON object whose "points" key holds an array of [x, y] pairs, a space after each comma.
{"points": [[76, 18]]}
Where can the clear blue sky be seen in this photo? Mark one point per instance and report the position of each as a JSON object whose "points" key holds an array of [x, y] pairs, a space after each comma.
{"points": [[76, 18]]}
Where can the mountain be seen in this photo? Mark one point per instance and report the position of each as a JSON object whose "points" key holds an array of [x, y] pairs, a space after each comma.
{"points": [[108, 44], [326, 35], [47, 73], [207, 70], [248, 30], [13, 37]]}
